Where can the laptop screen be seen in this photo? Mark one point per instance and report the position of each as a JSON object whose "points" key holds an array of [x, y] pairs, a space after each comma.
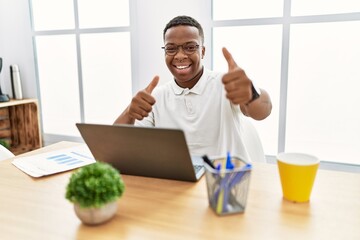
{"points": [[142, 151]]}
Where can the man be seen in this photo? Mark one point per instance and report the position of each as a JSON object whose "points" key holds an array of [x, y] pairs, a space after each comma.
{"points": [[208, 106]]}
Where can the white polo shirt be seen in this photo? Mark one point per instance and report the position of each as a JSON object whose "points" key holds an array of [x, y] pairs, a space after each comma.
{"points": [[212, 124]]}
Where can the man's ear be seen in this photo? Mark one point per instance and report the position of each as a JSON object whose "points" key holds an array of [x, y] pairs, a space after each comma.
{"points": [[202, 52]]}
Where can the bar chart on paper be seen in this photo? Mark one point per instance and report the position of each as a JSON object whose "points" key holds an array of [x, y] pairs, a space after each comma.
{"points": [[55, 162], [67, 159]]}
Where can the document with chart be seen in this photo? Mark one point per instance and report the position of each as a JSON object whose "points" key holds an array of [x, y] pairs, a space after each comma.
{"points": [[56, 161]]}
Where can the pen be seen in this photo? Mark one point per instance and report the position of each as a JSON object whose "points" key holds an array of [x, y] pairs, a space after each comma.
{"points": [[227, 182], [220, 197], [207, 160], [237, 178], [224, 187], [229, 164]]}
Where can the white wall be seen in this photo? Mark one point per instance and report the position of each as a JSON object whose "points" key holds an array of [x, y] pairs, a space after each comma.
{"points": [[16, 46]]}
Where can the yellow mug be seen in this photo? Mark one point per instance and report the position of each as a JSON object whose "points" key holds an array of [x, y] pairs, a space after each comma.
{"points": [[297, 174]]}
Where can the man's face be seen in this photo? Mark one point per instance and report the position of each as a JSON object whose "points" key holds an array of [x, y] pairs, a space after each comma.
{"points": [[184, 67]]}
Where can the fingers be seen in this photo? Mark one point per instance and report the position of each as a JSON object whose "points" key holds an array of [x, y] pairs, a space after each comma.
{"points": [[141, 105], [229, 59], [236, 74], [152, 84], [138, 113], [239, 95], [236, 83], [146, 93], [142, 102]]}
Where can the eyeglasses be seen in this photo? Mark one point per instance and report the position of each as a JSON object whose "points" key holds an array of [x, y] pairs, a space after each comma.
{"points": [[188, 48]]}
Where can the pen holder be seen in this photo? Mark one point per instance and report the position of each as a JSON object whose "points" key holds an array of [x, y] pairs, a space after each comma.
{"points": [[228, 188]]}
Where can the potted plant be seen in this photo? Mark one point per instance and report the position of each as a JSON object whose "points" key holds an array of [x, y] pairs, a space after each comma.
{"points": [[94, 189]]}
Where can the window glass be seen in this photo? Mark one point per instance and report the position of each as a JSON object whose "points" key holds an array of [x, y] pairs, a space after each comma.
{"points": [[53, 14], [256, 49], [323, 91], [58, 79], [242, 9], [316, 7], [104, 13], [106, 64]]}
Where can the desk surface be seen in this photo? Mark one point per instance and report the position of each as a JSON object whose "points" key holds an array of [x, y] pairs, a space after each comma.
{"points": [[165, 209]]}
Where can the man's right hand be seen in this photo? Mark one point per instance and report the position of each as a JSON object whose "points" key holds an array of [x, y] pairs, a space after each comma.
{"points": [[140, 106], [141, 103]]}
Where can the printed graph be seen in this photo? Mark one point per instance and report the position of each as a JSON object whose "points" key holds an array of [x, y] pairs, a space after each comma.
{"points": [[66, 159], [56, 161]]}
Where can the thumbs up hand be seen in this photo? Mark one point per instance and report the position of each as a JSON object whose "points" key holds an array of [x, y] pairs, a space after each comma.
{"points": [[237, 84], [141, 104]]}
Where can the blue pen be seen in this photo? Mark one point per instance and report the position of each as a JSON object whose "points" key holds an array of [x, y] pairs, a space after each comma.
{"points": [[226, 183], [220, 195], [238, 176], [229, 164]]}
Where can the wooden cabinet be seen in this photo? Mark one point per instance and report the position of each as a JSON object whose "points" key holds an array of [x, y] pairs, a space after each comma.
{"points": [[20, 126]]}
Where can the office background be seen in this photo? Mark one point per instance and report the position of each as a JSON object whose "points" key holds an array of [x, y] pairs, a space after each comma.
{"points": [[86, 60]]}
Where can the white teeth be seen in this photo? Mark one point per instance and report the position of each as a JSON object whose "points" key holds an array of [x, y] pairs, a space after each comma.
{"points": [[181, 67]]}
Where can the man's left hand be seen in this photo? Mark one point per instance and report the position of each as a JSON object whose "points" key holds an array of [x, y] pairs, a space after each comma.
{"points": [[236, 83]]}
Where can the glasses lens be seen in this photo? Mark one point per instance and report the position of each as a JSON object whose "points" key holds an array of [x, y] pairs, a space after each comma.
{"points": [[190, 48], [171, 49]]}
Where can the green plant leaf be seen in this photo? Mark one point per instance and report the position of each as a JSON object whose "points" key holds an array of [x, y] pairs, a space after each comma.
{"points": [[95, 185]]}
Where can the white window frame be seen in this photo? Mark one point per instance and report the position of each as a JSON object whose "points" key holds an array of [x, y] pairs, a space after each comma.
{"points": [[49, 138]]}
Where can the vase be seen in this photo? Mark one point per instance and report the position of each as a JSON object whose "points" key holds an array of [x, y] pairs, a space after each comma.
{"points": [[94, 216]]}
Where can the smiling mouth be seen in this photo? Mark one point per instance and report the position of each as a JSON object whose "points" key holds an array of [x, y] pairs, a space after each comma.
{"points": [[182, 67]]}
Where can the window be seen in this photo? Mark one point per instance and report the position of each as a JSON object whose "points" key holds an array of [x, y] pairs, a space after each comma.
{"points": [[322, 116], [53, 15], [245, 9], [306, 54], [58, 81], [83, 67], [317, 7]]}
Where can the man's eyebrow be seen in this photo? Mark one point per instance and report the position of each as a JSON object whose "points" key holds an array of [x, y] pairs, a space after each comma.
{"points": [[181, 44]]}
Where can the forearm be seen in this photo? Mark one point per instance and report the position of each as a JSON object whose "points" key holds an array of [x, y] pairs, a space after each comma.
{"points": [[260, 108]]}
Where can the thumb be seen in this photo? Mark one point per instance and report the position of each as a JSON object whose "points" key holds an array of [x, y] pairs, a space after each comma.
{"points": [[152, 84], [228, 57]]}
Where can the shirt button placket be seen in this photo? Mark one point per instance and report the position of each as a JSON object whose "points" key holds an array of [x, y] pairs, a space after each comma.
{"points": [[188, 103]]}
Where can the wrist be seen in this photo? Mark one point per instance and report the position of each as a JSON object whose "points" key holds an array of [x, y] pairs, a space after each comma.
{"points": [[255, 93]]}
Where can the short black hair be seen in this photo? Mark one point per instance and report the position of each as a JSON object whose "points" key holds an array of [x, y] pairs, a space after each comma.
{"points": [[184, 21]]}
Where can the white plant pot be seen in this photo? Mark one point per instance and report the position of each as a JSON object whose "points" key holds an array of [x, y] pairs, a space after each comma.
{"points": [[93, 216]]}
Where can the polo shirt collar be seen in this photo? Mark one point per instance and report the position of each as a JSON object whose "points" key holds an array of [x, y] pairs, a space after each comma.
{"points": [[197, 89]]}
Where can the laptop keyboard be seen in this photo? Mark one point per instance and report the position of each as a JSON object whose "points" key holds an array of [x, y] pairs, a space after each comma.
{"points": [[197, 168]]}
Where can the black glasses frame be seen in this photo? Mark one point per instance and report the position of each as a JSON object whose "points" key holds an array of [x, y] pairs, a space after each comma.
{"points": [[186, 51]]}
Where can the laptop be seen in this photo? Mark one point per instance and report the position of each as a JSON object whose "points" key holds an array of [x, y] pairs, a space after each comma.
{"points": [[142, 151]]}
